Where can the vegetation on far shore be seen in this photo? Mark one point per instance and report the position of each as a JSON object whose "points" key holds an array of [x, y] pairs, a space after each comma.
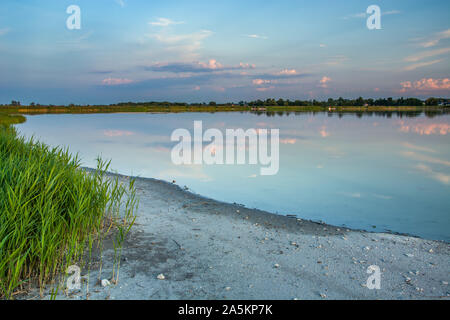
{"points": [[52, 213], [338, 105]]}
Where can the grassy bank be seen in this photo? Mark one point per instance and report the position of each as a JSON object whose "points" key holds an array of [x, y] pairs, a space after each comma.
{"points": [[51, 212], [8, 119]]}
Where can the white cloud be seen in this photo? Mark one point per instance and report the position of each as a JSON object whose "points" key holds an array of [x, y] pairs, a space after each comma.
{"points": [[418, 148], [185, 45], [255, 36], [4, 31], [287, 72], [120, 3], [427, 54], [362, 15], [420, 65], [435, 39], [164, 22], [438, 176]]}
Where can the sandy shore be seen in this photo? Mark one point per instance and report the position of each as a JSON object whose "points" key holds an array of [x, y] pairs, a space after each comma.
{"points": [[211, 250]]}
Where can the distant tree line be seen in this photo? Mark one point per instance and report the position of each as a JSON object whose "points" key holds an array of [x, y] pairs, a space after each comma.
{"points": [[360, 102], [340, 102]]}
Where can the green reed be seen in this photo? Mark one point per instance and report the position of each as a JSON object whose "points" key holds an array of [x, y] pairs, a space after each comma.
{"points": [[52, 212]]}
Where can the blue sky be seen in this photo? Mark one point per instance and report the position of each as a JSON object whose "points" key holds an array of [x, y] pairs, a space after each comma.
{"points": [[195, 51]]}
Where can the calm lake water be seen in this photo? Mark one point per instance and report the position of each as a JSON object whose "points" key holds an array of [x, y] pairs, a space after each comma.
{"points": [[374, 172]]}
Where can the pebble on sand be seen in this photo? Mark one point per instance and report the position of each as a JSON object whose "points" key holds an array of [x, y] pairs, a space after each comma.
{"points": [[105, 283], [161, 277]]}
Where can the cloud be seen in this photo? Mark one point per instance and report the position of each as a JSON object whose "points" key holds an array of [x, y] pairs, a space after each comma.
{"points": [[277, 77], [184, 44], [288, 141], [418, 148], [181, 67], [324, 133], [164, 22], [424, 158], [435, 39], [287, 72], [4, 31], [120, 3], [420, 65], [355, 15], [186, 82], [427, 54], [196, 67], [324, 82], [280, 75], [439, 176], [323, 45], [260, 82], [425, 129], [265, 89], [255, 36], [117, 133], [363, 15], [355, 195], [426, 85], [246, 66], [116, 81]]}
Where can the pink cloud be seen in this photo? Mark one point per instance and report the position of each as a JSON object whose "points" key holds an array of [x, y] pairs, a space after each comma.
{"points": [[425, 84], [324, 133], [116, 81], [425, 128], [212, 64], [246, 66], [259, 82], [265, 89], [288, 141], [324, 82]]}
